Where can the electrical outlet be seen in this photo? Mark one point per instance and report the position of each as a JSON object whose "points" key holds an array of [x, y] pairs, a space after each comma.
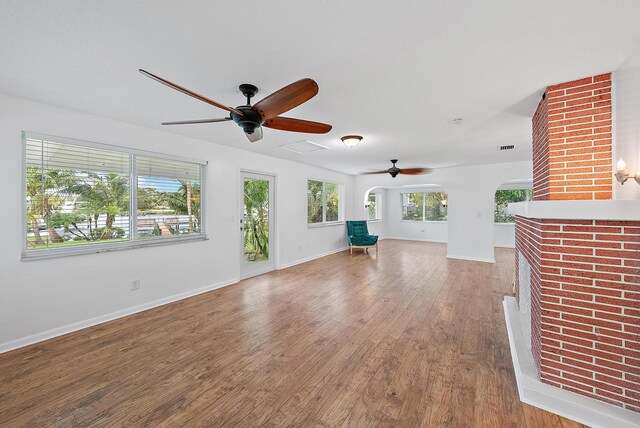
{"points": [[135, 285]]}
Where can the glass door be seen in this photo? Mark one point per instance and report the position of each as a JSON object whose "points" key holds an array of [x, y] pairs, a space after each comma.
{"points": [[257, 224]]}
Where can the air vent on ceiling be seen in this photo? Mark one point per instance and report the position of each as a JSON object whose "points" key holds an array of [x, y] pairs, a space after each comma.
{"points": [[303, 147], [508, 147]]}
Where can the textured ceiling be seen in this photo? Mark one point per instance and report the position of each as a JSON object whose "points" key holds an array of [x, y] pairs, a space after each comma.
{"points": [[394, 72]]}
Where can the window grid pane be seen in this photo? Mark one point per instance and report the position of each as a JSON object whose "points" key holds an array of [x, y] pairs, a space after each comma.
{"points": [[324, 202], [168, 198], [79, 196], [427, 206], [314, 201]]}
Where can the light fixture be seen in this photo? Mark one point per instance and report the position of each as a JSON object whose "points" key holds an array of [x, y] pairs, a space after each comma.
{"points": [[456, 121], [351, 140], [623, 175]]}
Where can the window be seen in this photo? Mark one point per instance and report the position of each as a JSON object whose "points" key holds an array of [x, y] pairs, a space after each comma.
{"points": [[79, 197], [373, 208], [506, 197], [428, 206], [324, 202]]}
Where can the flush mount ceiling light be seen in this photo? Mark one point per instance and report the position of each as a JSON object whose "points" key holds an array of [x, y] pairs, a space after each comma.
{"points": [[351, 140]]}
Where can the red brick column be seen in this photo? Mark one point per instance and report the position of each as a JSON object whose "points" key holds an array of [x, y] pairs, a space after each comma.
{"points": [[585, 274], [572, 141], [541, 151], [585, 298]]}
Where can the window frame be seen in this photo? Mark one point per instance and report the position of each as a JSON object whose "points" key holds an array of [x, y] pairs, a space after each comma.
{"points": [[133, 241], [378, 215], [424, 201], [324, 221]]}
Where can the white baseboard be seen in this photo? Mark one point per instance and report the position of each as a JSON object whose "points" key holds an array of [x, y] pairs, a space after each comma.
{"points": [[473, 259], [69, 328], [414, 239], [579, 408], [308, 259]]}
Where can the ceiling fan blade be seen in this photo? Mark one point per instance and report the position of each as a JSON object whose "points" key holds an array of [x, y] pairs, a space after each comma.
{"points": [[188, 92], [256, 136], [386, 171], [189, 122], [297, 125], [415, 171], [286, 98]]}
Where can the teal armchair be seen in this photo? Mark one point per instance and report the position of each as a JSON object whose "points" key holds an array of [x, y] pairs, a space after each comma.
{"points": [[358, 236]]}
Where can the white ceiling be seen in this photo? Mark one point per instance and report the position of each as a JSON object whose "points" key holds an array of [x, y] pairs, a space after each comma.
{"points": [[394, 72]]}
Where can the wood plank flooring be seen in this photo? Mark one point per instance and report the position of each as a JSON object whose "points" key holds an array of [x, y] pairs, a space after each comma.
{"points": [[405, 339]]}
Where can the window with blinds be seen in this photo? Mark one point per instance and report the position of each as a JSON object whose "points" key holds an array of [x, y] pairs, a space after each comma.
{"points": [[85, 197]]}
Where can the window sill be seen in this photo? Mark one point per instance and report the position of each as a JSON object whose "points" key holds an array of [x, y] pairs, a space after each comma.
{"points": [[53, 253], [326, 224], [378, 220]]}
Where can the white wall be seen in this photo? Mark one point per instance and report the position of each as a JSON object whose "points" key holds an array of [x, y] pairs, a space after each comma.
{"points": [[471, 197], [626, 90], [37, 296], [396, 228], [504, 235]]}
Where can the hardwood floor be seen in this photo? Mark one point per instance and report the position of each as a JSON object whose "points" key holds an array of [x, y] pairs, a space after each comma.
{"points": [[408, 338]]}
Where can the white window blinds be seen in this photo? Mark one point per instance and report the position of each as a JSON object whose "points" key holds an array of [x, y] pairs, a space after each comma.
{"points": [[79, 197]]}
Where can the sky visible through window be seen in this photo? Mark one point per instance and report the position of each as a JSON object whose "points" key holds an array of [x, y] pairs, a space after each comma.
{"points": [[160, 184]]}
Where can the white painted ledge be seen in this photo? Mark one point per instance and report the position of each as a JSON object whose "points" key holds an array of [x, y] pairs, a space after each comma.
{"points": [[579, 408], [628, 210]]}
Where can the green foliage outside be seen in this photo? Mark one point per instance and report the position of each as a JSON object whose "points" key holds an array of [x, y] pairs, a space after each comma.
{"points": [[332, 192], [373, 207], [256, 219], [314, 201], [315, 207], [504, 198], [94, 196], [424, 206]]}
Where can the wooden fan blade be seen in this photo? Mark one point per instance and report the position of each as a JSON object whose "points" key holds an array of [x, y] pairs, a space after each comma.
{"points": [[188, 92], [286, 98], [297, 125], [189, 122], [386, 171], [256, 136], [415, 171]]}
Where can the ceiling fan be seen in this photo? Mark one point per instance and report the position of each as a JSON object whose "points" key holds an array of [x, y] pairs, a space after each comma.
{"points": [[394, 170], [266, 112]]}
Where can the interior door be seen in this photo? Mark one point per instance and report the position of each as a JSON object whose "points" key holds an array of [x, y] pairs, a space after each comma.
{"points": [[257, 224]]}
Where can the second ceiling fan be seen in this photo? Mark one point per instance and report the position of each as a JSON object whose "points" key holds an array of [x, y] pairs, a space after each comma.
{"points": [[394, 170], [266, 112]]}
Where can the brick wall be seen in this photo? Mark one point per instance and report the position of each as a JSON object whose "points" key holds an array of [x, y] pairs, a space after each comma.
{"points": [[528, 242], [585, 274], [586, 277], [541, 151], [572, 150]]}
